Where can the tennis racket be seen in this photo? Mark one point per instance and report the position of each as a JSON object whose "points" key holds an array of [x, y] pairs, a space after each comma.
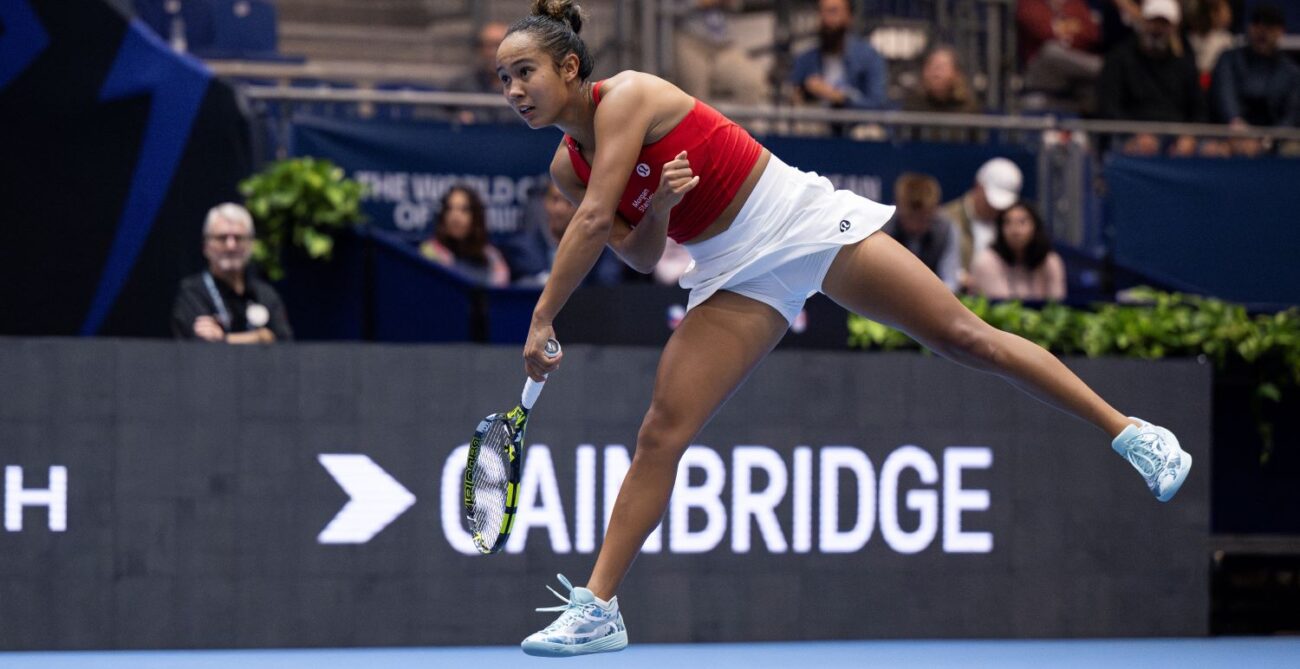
{"points": [[496, 456]]}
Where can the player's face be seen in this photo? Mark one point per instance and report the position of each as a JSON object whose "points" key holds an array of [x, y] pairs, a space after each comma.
{"points": [[531, 82], [1018, 229], [457, 219]]}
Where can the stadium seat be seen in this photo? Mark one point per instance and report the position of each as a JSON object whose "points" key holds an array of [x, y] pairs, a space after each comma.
{"points": [[244, 29], [195, 15]]}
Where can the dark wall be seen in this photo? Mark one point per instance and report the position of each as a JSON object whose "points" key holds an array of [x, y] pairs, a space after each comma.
{"points": [[1256, 483], [113, 150], [202, 480]]}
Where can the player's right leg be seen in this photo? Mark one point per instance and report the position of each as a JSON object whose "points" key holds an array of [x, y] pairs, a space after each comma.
{"points": [[716, 346], [880, 279]]}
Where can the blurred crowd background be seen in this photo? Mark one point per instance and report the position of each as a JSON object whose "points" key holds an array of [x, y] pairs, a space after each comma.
{"points": [[1003, 73]]}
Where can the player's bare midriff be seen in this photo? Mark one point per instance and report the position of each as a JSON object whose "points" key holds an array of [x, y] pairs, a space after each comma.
{"points": [[728, 215]]}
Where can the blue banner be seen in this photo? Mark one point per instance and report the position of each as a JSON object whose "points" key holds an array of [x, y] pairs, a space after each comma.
{"points": [[870, 168], [1222, 227], [409, 166]]}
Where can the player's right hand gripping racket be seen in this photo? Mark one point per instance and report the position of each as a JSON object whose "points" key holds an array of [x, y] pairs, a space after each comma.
{"points": [[496, 456]]}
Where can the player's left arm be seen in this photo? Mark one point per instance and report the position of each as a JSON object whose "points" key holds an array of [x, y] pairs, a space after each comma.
{"points": [[642, 247]]}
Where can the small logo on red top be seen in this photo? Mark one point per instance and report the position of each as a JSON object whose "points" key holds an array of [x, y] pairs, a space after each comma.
{"points": [[643, 170], [642, 201]]}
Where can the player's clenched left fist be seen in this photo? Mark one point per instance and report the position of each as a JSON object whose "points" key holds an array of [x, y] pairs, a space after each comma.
{"points": [[676, 181]]}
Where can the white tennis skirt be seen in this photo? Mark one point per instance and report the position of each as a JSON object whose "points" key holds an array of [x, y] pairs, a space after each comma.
{"points": [[782, 243]]}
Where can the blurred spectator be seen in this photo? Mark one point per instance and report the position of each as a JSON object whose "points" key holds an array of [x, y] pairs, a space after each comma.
{"points": [[997, 186], [1152, 77], [1129, 11], [527, 249], [1118, 19], [1257, 84], [709, 65], [843, 70], [559, 212], [1021, 264], [1058, 49], [226, 302], [918, 225], [482, 77], [944, 87], [1209, 33], [460, 240]]}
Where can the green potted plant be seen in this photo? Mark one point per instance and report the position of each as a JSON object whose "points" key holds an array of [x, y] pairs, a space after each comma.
{"points": [[303, 202]]}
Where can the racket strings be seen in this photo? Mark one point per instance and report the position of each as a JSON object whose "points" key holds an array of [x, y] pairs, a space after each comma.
{"points": [[491, 475]]}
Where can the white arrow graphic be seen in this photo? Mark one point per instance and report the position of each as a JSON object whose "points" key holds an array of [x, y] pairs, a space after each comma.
{"points": [[377, 499]]}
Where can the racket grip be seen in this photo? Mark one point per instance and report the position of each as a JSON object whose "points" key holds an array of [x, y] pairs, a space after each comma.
{"points": [[534, 388], [531, 390]]}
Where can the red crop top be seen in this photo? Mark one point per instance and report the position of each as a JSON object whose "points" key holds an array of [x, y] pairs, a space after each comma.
{"points": [[720, 152]]}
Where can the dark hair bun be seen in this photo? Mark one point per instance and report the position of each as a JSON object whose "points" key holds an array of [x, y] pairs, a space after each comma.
{"points": [[567, 12]]}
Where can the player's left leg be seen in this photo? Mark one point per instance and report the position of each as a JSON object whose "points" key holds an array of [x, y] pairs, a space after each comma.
{"points": [[710, 354], [879, 279]]}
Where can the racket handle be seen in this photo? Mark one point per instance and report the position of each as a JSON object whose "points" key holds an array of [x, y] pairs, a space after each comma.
{"points": [[534, 388], [531, 390]]}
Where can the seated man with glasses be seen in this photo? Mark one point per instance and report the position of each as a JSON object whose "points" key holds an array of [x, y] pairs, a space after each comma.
{"points": [[226, 302]]}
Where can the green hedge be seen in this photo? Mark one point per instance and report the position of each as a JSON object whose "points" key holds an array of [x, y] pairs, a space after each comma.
{"points": [[1161, 325]]}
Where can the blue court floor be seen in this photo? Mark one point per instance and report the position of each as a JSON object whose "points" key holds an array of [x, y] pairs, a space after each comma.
{"points": [[1235, 653]]}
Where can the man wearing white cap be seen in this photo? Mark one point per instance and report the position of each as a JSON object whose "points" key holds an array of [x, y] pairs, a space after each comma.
{"points": [[1153, 77], [997, 187]]}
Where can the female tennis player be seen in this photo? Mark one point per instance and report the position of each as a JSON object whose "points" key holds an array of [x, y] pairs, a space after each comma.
{"points": [[644, 161]]}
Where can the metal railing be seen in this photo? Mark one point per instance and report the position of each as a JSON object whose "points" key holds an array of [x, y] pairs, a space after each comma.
{"points": [[778, 117], [362, 74], [983, 32], [1066, 148]]}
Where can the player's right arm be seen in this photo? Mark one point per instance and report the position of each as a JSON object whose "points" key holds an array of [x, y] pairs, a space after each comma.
{"points": [[621, 122]]}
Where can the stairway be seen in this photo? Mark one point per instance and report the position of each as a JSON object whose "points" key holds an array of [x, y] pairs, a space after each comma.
{"points": [[406, 32]]}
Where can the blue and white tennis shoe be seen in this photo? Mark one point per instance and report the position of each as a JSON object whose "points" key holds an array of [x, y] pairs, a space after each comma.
{"points": [[586, 625], [1155, 453]]}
